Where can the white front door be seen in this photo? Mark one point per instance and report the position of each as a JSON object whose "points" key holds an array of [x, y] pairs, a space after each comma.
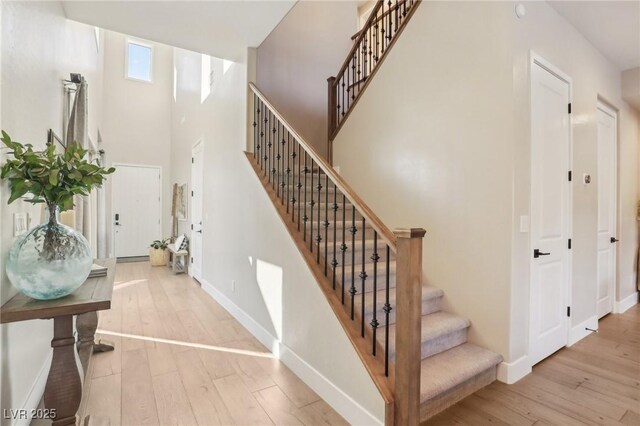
{"points": [[196, 210], [607, 188], [137, 209], [550, 212]]}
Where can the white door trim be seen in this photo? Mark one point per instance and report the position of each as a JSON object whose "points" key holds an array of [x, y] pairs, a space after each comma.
{"points": [[113, 228], [199, 143], [605, 107], [536, 59]]}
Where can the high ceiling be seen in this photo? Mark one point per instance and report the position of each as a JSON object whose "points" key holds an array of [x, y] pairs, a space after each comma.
{"points": [[219, 28], [613, 27]]}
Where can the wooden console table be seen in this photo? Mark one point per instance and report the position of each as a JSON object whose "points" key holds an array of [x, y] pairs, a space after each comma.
{"points": [[63, 390]]}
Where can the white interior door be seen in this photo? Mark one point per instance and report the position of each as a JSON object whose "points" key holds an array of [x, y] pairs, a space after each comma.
{"points": [[137, 209], [196, 210], [607, 190], [550, 212]]}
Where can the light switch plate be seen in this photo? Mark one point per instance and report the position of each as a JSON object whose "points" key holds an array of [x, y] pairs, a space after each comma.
{"points": [[20, 223]]}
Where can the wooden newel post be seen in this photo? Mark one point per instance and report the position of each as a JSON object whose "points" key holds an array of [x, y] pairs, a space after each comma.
{"points": [[408, 325], [331, 117]]}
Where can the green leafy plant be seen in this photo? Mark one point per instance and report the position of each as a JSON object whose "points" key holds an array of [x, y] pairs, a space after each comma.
{"points": [[48, 177], [160, 244]]}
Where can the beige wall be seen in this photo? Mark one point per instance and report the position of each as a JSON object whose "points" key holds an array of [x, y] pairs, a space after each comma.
{"points": [[39, 49], [450, 152], [137, 119], [308, 46], [241, 228]]}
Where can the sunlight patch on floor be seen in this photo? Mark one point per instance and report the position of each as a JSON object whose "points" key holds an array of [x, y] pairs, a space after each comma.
{"points": [[120, 285], [188, 344]]}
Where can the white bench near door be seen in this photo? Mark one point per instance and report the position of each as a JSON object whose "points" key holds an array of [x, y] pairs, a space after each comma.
{"points": [[178, 259]]}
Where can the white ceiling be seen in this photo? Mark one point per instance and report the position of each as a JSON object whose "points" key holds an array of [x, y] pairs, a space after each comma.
{"points": [[613, 27], [219, 28]]}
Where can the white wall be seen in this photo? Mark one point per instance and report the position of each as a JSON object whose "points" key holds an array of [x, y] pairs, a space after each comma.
{"points": [[445, 144], [241, 229], [308, 46], [39, 48], [137, 119]]}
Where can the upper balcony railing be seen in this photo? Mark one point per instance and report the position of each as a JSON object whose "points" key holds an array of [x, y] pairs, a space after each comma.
{"points": [[387, 20]]}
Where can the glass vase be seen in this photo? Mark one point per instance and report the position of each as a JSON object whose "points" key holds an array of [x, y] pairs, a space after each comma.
{"points": [[50, 261]]}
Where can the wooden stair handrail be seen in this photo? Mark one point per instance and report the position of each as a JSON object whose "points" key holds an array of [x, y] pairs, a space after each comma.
{"points": [[335, 123], [383, 231], [379, 18], [363, 33]]}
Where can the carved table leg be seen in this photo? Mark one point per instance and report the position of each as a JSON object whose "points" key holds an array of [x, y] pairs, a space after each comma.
{"points": [[87, 324], [64, 387]]}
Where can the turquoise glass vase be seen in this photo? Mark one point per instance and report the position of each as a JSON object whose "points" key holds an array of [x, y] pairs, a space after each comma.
{"points": [[50, 261]]}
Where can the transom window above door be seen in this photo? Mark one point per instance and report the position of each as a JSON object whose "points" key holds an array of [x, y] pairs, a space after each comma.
{"points": [[139, 61]]}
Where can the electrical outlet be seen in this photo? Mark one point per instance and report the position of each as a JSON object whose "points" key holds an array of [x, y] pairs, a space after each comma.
{"points": [[233, 286]]}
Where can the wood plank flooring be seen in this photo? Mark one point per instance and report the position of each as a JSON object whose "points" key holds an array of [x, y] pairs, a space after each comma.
{"points": [[594, 382], [181, 359]]}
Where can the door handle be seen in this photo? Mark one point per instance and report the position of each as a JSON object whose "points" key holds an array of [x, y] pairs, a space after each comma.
{"points": [[537, 253], [199, 231], [614, 240]]}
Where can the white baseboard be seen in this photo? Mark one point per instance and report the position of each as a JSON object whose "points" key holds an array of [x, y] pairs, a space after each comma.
{"points": [[623, 305], [511, 372], [580, 331], [260, 333], [353, 412], [34, 396]]}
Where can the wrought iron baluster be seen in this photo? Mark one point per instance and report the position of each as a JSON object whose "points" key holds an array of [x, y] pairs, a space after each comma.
{"points": [[299, 184], [284, 172], [375, 257], [353, 290], [304, 216], [274, 141], [363, 275], [390, 16], [334, 261], [383, 31], [319, 232], [311, 204], [387, 310], [288, 170], [343, 246], [262, 136], [276, 169]]}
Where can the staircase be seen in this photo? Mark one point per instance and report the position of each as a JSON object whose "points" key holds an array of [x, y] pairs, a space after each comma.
{"points": [[417, 355]]}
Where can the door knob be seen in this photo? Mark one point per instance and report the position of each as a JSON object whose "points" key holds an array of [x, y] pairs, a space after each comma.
{"points": [[537, 253], [614, 240]]}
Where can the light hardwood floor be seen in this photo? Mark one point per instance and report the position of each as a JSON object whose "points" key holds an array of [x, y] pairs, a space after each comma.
{"points": [[181, 359], [594, 382]]}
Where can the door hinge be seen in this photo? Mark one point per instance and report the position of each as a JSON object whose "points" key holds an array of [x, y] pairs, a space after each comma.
{"points": [[192, 260], [569, 107], [192, 160], [568, 311], [192, 226], [569, 245], [192, 193], [570, 175]]}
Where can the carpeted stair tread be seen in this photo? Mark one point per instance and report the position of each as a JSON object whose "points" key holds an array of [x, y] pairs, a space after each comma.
{"points": [[436, 327], [431, 299], [450, 368]]}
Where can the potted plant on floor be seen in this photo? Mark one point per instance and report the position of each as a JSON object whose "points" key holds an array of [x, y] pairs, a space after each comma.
{"points": [[51, 260], [158, 252]]}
